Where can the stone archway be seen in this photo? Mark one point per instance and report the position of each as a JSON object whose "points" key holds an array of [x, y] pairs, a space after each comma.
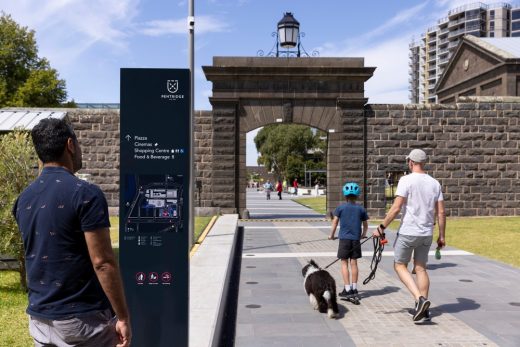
{"points": [[324, 93]]}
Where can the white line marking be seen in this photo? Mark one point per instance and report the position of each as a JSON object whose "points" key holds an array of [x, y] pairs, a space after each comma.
{"points": [[334, 254], [295, 227], [285, 213], [277, 208]]}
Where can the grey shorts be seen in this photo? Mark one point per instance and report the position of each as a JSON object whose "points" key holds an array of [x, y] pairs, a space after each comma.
{"points": [[405, 244], [96, 329]]}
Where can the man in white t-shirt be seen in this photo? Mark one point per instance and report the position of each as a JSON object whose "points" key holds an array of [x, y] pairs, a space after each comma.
{"points": [[419, 199]]}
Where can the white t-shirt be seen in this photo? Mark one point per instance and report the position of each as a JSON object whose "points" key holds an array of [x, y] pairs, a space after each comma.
{"points": [[418, 212]]}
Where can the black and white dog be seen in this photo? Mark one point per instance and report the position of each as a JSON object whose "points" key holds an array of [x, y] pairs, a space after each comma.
{"points": [[321, 289]]}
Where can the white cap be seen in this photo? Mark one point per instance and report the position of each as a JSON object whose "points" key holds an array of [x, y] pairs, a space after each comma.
{"points": [[417, 155]]}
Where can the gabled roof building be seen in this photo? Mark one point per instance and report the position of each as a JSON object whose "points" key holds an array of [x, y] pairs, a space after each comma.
{"points": [[481, 67]]}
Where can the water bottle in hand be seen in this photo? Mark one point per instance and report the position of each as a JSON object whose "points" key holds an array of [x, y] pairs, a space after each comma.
{"points": [[438, 253]]}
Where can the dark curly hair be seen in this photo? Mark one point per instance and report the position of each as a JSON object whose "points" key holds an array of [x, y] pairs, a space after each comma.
{"points": [[49, 137]]}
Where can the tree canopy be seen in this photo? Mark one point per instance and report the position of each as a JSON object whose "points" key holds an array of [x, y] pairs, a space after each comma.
{"points": [[287, 149], [25, 78]]}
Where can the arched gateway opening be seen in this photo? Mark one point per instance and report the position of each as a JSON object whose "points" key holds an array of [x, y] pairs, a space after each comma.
{"points": [[248, 93]]}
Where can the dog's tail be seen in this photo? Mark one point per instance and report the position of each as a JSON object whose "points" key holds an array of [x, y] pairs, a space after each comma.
{"points": [[332, 307]]}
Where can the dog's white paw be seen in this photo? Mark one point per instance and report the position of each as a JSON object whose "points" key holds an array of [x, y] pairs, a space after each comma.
{"points": [[331, 314], [313, 301]]}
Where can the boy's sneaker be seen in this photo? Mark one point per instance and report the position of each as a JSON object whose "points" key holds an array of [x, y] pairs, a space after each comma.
{"points": [[421, 307], [355, 294], [344, 293]]}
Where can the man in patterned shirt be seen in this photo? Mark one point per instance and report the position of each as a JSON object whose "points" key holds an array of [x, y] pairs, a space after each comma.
{"points": [[73, 279]]}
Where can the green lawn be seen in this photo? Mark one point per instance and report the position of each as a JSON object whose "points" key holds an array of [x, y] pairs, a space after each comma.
{"points": [[200, 225], [317, 203], [14, 324]]}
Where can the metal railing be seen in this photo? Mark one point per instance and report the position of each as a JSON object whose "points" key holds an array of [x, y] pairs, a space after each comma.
{"points": [[468, 7]]}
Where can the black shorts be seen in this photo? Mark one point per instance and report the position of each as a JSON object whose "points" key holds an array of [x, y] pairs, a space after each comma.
{"points": [[349, 249]]}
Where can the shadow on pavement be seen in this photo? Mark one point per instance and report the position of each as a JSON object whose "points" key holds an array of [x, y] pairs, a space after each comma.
{"points": [[462, 305], [284, 244], [439, 266], [377, 292]]}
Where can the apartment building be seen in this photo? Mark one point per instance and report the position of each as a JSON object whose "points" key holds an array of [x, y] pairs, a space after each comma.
{"points": [[430, 54]]}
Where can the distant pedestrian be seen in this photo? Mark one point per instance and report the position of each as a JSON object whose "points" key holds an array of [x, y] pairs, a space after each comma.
{"points": [[317, 188], [279, 189], [419, 200], [350, 216], [268, 188], [73, 277], [295, 186], [285, 185]]}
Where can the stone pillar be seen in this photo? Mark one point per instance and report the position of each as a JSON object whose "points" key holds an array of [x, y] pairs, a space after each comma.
{"points": [[334, 176], [225, 149], [352, 151]]}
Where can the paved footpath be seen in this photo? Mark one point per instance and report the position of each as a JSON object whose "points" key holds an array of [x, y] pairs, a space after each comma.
{"points": [[475, 301]]}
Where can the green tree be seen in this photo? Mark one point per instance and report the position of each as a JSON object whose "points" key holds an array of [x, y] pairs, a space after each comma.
{"points": [[287, 148], [18, 167], [25, 78]]}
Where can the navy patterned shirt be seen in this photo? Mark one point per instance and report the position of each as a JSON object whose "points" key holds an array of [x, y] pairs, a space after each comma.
{"points": [[52, 214]]}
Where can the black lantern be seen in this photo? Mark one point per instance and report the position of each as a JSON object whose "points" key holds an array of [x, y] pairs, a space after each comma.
{"points": [[288, 31], [288, 36]]}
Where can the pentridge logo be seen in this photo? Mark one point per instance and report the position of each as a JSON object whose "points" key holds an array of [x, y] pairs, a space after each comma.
{"points": [[172, 86]]}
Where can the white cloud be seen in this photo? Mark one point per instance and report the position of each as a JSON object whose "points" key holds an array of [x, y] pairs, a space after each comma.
{"points": [[390, 57], [399, 18], [203, 24], [66, 28]]}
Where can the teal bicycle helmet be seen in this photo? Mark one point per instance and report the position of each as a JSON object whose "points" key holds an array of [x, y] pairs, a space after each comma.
{"points": [[351, 188]]}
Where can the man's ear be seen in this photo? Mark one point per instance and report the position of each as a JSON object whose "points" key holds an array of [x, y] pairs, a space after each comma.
{"points": [[71, 147]]}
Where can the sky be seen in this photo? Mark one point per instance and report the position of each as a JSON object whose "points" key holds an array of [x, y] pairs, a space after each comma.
{"points": [[88, 42]]}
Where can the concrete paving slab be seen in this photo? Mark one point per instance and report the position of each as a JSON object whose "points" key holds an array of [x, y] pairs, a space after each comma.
{"points": [[475, 301]]}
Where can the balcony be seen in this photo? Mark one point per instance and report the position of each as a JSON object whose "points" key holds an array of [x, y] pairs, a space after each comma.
{"points": [[455, 33], [443, 41], [468, 7], [443, 51], [443, 61], [454, 23]]}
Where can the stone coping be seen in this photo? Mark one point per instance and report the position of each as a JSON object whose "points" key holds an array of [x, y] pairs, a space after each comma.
{"points": [[209, 272]]}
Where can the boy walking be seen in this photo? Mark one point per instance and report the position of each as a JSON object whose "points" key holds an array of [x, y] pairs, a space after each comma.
{"points": [[350, 216]]}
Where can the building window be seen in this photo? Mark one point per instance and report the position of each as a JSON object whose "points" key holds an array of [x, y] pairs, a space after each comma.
{"points": [[492, 14], [517, 34], [492, 25], [516, 14], [492, 34], [515, 26]]}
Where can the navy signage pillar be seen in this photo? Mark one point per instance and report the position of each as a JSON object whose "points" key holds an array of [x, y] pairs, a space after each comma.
{"points": [[153, 208]]}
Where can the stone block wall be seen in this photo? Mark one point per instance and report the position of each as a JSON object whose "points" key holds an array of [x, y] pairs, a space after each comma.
{"points": [[474, 151], [203, 126], [98, 133]]}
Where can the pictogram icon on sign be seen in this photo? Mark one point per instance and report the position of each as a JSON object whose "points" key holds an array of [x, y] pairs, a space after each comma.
{"points": [[140, 277], [166, 277], [153, 277]]}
